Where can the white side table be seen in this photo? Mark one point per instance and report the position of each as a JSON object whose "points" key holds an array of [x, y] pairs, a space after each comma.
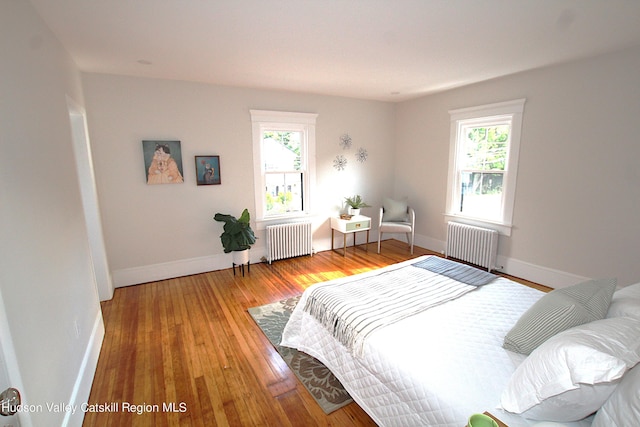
{"points": [[353, 225]]}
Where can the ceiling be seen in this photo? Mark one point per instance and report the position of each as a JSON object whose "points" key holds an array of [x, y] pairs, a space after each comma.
{"points": [[390, 50]]}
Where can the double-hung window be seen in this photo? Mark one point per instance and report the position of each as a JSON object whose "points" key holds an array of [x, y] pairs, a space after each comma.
{"points": [[284, 163], [483, 164]]}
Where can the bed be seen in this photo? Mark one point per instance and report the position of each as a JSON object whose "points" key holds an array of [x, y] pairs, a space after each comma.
{"points": [[434, 367]]}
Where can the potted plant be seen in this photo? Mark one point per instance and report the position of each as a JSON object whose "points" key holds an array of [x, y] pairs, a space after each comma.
{"points": [[355, 203], [237, 236]]}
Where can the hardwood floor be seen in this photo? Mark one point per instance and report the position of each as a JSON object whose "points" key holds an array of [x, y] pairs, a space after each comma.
{"points": [[189, 342]]}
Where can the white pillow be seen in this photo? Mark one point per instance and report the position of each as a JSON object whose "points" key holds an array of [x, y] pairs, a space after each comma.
{"points": [[623, 407], [573, 373], [626, 302], [394, 210]]}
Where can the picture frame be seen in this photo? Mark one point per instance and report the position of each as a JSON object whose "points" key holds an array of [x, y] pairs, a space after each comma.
{"points": [[208, 170], [162, 162]]}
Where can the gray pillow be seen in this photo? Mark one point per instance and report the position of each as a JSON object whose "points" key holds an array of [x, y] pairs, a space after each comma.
{"points": [[559, 310], [394, 210]]}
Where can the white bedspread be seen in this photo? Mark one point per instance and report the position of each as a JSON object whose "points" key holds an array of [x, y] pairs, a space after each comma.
{"points": [[354, 309], [432, 369]]}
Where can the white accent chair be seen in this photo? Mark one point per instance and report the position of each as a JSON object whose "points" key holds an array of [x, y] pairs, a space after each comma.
{"points": [[396, 217]]}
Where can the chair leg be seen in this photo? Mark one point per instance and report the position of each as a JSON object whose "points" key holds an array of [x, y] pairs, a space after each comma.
{"points": [[410, 241], [379, 237]]}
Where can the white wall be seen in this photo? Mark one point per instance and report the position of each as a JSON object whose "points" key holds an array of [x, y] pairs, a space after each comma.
{"points": [[158, 231], [575, 205], [46, 278], [578, 192]]}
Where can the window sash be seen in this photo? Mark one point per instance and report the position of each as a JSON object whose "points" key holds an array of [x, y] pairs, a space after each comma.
{"points": [[484, 155], [276, 205], [494, 209], [301, 157], [278, 202]]}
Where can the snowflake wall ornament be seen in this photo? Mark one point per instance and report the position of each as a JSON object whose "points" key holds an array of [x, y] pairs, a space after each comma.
{"points": [[362, 155], [340, 162], [345, 141]]}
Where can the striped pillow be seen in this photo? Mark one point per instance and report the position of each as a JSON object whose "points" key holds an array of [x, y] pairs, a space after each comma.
{"points": [[559, 310]]}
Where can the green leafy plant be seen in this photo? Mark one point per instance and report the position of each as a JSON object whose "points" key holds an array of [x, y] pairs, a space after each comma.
{"points": [[356, 202], [237, 234]]}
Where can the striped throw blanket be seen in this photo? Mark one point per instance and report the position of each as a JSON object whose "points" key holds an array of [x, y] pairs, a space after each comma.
{"points": [[352, 310], [455, 270]]}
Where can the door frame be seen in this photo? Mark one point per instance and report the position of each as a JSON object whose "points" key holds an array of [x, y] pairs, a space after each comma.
{"points": [[9, 364], [89, 194]]}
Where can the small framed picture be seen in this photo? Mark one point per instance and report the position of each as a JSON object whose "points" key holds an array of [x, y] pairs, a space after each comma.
{"points": [[208, 170], [162, 162]]}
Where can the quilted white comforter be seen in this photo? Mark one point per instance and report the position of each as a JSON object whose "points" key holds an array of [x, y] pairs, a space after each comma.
{"points": [[432, 369]]}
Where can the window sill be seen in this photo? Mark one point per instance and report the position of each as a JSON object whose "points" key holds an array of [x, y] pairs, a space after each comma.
{"points": [[262, 223], [502, 228]]}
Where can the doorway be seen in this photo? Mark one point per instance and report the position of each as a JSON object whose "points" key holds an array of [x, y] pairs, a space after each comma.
{"points": [[89, 193]]}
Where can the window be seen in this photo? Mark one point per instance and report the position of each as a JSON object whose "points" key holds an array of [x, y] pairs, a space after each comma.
{"points": [[483, 163], [284, 163]]}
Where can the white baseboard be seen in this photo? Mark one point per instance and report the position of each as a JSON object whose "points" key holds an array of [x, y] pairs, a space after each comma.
{"points": [[82, 386], [431, 244], [514, 267], [179, 268], [151, 273], [538, 274]]}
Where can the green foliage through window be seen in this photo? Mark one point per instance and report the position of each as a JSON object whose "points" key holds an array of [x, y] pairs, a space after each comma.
{"points": [[486, 148]]}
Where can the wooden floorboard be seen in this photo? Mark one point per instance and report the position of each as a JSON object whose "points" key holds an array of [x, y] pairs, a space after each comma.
{"points": [[190, 342]]}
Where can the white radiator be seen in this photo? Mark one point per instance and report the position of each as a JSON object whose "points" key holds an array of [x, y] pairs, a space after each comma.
{"points": [[288, 240], [471, 244]]}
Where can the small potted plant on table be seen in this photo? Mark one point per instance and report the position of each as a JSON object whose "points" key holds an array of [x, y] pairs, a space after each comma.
{"points": [[355, 203], [237, 237]]}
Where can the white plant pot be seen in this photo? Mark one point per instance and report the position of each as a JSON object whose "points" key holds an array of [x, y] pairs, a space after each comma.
{"points": [[353, 211], [240, 257]]}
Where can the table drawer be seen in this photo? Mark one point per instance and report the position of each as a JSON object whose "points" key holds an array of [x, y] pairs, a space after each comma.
{"points": [[357, 225]]}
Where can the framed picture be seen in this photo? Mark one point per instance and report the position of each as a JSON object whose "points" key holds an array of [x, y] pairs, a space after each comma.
{"points": [[162, 162], [208, 170]]}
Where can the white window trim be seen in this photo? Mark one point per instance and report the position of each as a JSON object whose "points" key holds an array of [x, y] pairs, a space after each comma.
{"points": [[513, 109], [306, 122]]}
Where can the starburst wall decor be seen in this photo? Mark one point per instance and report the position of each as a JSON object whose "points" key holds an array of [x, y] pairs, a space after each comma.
{"points": [[345, 141], [362, 155], [340, 162]]}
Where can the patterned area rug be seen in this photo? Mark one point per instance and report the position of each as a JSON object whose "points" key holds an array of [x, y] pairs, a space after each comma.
{"points": [[317, 378]]}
